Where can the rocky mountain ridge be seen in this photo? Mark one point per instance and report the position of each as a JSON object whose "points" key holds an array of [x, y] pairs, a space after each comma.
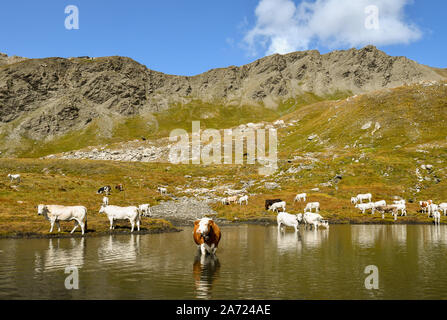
{"points": [[44, 98]]}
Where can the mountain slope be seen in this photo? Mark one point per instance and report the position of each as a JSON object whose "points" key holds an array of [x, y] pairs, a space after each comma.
{"points": [[42, 99]]}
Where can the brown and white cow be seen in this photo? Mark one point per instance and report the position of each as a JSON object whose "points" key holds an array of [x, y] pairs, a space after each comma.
{"points": [[206, 235], [425, 206]]}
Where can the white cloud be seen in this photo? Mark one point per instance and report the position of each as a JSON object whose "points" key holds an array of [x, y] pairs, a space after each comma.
{"points": [[283, 26]]}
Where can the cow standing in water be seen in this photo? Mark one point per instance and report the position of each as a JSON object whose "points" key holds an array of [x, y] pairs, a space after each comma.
{"points": [[206, 235]]}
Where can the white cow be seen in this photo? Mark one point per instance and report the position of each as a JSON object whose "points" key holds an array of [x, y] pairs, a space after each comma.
{"points": [[56, 213], [145, 209], [402, 207], [312, 205], [432, 208], [300, 197], [437, 217], [377, 204], [314, 219], [365, 196], [366, 206], [354, 200], [242, 199], [443, 207], [13, 177], [162, 190], [277, 205], [122, 213], [105, 201], [290, 220]]}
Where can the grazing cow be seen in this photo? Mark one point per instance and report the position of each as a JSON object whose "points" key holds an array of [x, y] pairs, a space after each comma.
{"points": [[105, 189], [13, 177], [119, 187], [425, 206], [366, 206], [443, 207], [162, 190], [300, 197], [277, 205], [437, 217], [242, 199], [290, 220], [312, 205], [364, 196], [269, 202], [314, 219], [122, 213], [402, 207], [206, 235], [376, 204], [55, 213], [105, 201], [387, 209], [232, 199], [145, 209]]}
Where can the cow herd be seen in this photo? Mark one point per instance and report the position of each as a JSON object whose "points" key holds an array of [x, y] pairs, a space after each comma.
{"points": [[308, 218], [398, 206], [206, 232]]}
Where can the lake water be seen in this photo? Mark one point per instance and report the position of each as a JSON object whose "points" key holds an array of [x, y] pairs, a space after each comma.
{"points": [[254, 262]]}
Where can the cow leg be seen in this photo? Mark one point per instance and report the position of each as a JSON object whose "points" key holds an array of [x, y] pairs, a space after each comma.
{"points": [[279, 226], [132, 223], [76, 225], [58, 226], [111, 223], [203, 249], [138, 224], [212, 249], [52, 225]]}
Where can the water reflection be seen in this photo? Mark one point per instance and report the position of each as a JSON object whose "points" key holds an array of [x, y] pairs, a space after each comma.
{"points": [[365, 236], [205, 272], [59, 255], [314, 238], [114, 249], [289, 241]]}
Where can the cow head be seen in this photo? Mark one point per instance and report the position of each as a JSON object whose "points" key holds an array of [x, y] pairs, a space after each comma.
{"points": [[204, 227], [354, 200], [103, 209], [41, 208], [299, 217]]}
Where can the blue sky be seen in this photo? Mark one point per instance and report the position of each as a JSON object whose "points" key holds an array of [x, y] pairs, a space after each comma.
{"points": [[190, 37]]}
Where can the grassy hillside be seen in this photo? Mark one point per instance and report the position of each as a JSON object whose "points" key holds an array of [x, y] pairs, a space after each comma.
{"points": [[155, 125], [387, 160]]}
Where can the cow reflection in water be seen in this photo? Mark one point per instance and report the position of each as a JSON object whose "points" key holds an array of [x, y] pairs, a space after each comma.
{"points": [[314, 239], [205, 271], [60, 254], [289, 241], [119, 249]]}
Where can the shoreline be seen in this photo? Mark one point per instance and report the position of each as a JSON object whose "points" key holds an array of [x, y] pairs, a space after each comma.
{"points": [[177, 227]]}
